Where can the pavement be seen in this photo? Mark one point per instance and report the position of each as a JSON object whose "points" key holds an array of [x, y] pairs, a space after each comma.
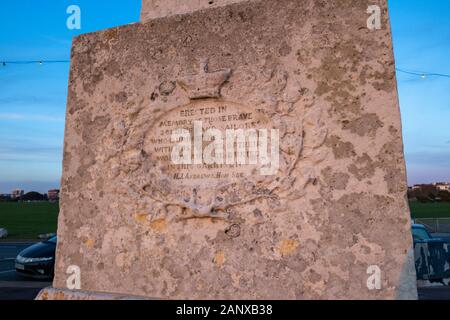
{"points": [[434, 293], [12, 285], [21, 290]]}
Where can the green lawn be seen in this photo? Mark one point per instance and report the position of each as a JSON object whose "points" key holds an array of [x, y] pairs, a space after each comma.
{"points": [[430, 210], [26, 220]]}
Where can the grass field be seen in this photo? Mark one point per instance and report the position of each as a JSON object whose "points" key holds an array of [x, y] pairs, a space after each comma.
{"points": [[430, 210], [26, 220]]}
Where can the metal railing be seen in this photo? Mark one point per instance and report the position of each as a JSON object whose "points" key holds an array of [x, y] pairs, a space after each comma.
{"points": [[435, 225]]}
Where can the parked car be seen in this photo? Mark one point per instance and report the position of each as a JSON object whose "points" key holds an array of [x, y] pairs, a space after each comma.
{"points": [[431, 255], [421, 234], [38, 260]]}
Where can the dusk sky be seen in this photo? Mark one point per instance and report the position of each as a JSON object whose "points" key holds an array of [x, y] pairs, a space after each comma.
{"points": [[33, 96]]}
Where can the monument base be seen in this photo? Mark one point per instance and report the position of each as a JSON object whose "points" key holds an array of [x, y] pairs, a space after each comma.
{"points": [[50, 293]]}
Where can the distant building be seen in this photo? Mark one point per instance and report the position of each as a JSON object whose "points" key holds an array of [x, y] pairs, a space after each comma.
{"points": [[442, 186], [17, 193], [437, 191], [53, 195]]}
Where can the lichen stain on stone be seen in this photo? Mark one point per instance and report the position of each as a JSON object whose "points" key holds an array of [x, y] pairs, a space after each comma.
{"points": [[314, 276], [367, 124], [366, 251], [158, 225], [111, 34], [335, 180], [219, 258], [89, 243], [94, 129], [140, 217], [341, 149], [394, 178], [333, 81], [363, 167], [59, 295], [388, 154], [288, 246], [388, 159]]}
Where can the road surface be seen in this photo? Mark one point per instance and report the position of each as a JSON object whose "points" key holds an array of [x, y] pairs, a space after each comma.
{"points": [[12, 285]]}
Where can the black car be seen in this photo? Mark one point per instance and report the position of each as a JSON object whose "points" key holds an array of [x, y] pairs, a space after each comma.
{"points": [[421, 235], [38, 260], [431, 255]]}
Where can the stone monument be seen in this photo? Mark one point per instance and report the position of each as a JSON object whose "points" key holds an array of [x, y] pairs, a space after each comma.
{"points": [[322, 216]]}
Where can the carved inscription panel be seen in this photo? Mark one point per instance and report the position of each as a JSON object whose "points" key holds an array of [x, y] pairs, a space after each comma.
{"points": [[212, 128]]}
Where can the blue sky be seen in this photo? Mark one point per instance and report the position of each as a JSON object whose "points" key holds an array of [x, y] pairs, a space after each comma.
{"points": [[33, 97], [421, 34]]}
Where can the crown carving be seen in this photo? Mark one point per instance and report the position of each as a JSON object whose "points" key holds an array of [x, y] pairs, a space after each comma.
{"points": [[204, 84]]}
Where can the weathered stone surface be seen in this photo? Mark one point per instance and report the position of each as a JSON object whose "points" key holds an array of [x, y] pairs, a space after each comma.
{"points": [[152, 9], [50, 293], [135, 225]]}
